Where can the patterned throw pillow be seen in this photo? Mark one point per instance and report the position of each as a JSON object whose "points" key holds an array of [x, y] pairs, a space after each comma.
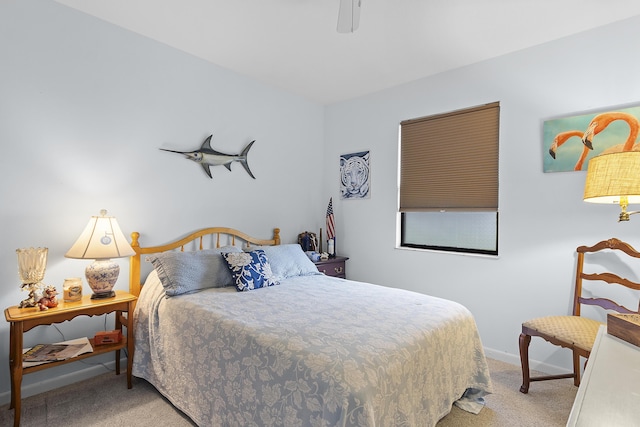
{"points": [[250, 270]]}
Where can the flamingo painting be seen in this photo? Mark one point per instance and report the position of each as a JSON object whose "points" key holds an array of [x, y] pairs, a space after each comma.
{"points": [[600, 123], [561, 138], [604, 132]]}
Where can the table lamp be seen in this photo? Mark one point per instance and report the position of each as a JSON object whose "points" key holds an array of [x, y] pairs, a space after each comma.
{"points": [[614, 178], [101, 240]]}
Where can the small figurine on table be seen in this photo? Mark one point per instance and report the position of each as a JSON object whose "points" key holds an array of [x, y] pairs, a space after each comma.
{"points": [[48, 299]]}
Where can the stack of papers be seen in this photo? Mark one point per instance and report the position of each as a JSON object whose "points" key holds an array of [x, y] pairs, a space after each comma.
{"points": [[44, 353]]}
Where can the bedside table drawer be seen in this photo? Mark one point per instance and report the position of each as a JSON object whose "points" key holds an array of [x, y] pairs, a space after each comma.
{"points": [[335, 267]]}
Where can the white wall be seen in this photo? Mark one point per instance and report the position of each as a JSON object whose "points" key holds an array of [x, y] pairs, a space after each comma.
{"points": [[85, 107], [542, 216]]}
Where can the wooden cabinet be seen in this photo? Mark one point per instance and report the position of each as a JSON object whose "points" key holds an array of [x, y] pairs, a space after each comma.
{"points": [[24, 319], [335, 267]]}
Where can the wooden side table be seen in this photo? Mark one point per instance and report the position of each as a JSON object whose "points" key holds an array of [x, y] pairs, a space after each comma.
{"points": [[335, 267], [23, 319]]}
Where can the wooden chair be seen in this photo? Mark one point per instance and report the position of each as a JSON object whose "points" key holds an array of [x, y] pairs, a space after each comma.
{"points": [[575, 332]]}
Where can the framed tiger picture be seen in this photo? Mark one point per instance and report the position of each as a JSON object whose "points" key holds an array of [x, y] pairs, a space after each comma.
{"points": [[354, 176]]}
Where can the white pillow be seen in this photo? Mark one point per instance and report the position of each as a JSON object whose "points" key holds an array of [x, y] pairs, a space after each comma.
{"points": [[287, 260]]}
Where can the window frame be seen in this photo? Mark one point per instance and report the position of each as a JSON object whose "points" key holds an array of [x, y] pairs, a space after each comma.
{"points": [[451, 248], [455, 190]]}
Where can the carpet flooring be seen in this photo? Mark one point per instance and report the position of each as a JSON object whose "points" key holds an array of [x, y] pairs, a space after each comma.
{"points": [[104, 401]]}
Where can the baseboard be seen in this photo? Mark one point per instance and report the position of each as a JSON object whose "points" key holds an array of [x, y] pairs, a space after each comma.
{"points": [[535, 365], [62, 380]]}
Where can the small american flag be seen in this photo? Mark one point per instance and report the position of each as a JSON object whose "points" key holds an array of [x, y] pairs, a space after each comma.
{"points": [[331, 223]]}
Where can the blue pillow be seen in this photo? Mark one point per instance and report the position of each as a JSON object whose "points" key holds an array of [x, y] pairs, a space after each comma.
{"points": [[186, 272], [287, 260], [250, 270]]}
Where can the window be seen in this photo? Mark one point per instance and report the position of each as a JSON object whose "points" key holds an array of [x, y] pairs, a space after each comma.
{"points": [[449, 181]]}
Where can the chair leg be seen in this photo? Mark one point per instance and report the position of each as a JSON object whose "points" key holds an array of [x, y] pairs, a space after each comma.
{"points": [[576, 369], [524, 361]]}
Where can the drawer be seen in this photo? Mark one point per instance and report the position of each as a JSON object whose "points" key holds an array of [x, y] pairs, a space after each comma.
{"points": [[335, 267]]}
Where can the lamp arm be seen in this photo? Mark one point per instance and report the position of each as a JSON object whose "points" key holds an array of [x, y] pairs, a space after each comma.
{"points": [[624, 215]]}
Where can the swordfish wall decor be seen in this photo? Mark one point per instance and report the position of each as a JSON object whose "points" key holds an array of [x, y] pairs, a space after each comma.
{"points": [[570, 142], [207, 156]]}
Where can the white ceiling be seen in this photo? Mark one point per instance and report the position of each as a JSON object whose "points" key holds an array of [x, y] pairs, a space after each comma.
{"points": [[294, 45]]}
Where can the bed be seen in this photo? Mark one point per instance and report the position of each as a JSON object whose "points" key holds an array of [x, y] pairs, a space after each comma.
{"points": [[297, 348]]}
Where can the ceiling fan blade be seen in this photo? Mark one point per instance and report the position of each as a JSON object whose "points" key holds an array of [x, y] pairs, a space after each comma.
{"points": [[349, 16]]}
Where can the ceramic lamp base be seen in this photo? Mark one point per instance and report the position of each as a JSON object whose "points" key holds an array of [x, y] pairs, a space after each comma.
{"points": [[102, 275]]}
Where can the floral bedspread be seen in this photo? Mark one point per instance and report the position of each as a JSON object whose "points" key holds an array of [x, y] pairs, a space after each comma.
{"points": [[313, 351]]}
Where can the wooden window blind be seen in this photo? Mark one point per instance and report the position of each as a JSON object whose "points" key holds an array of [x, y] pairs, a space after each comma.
{"points": [[450, 161]]}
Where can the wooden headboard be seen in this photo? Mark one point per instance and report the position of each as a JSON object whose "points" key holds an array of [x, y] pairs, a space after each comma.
{"points": [[229, 236]]}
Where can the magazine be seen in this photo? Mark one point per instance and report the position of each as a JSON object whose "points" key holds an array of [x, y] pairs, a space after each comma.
{"points": [[43, 353]]}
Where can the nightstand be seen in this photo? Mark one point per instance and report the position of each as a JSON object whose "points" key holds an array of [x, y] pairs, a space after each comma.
{"points": [[25, 319], [333, 266]]}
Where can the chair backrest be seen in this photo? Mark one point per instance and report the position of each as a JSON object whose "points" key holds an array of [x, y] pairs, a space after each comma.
{"points": [[608, 277]]}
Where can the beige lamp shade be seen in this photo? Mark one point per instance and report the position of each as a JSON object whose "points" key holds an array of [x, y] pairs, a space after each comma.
{"points": [[101, 239], [614, 178]]}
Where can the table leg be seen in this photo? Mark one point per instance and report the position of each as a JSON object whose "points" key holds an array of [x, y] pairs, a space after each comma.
{"points": [[130, 344], [12, 345], [118, 327], [15, 364]]}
